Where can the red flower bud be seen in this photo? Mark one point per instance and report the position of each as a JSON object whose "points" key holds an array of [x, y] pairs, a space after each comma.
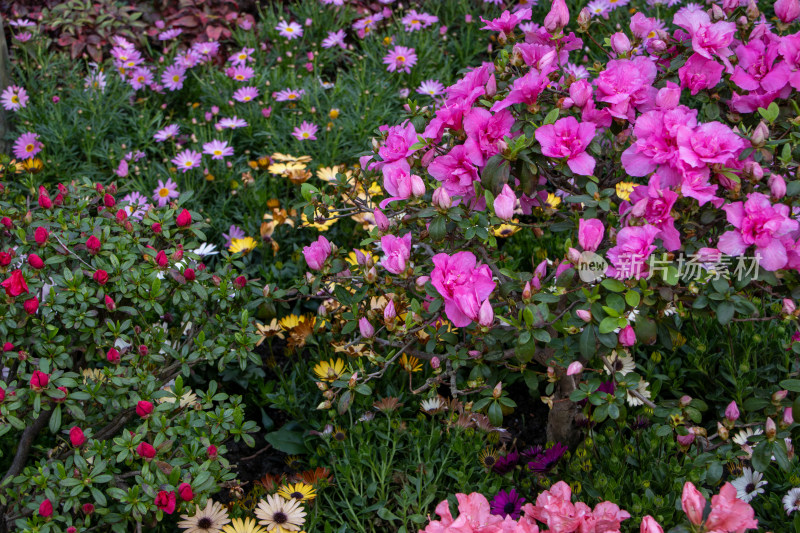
{"points": [[166, 501], [62, 188], [100, 276], [185, 491], [88, 508], [31, 306], [161, 259], [112, 189], [39, 380], [143, 350], [63, 398], [189, 274], [146, 451], [98, 187], [112, 356], [122, 215], [109, 201], [44, 198], [110, 305], [144, 408], [201, 266], [2, 394], [184, 219], [212, 451], [15, 284], [240, 282], [76, 436], [8, 347], [6, 222], [35, 261], [59, 199], [128, 226], [40, 236], [156, 227], [93, 244], [45, 508], [6, 257]]}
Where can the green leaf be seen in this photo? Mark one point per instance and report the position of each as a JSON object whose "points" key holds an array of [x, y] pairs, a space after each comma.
{"points": [[762, 455], [495, 414], [725, 312], [55, 419], [287, 441], [791, 385], [613, 285], [552, 116], [387, 515], [608, 324]]}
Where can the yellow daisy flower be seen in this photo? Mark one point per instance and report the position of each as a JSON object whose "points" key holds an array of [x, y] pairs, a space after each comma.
{"points": [[505, 230], [553, 201], [329, 370], [410, 363], [321, 223], [244, 245], [246, 525], [298, 491]]}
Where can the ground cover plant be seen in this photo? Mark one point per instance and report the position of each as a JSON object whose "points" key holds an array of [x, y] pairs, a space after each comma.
{"points": [[456, 266]]}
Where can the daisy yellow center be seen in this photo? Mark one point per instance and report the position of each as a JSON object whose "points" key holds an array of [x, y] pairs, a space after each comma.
{"points": [[415, 21], [217, 152], [140, 79], [292, 96], [401, 59], [289, 30], [305, 135], [242, 57], [15, 99], [29, 147], [239, 77], [246, 98], [163, 192], [176, 78], [188, 163], [651, 34]]}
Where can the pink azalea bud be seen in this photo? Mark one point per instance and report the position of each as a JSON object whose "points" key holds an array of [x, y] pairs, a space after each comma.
{"points": [[669, 96], [110, 305], [557, 17], [627, 337], [779, 396], [722, 431], [730, 5], [435, 362], [573, 256], [76, 436], [144, 408], [491, 86], [717, 13], [685, 400], [486, 314], [576, 367], [788, 417], [389, 314], [380, 220], [732, 412], [367, 330], [584, 314], [317, 253], [504, 203], [620, 43], [93, 244], [769, 429], [649, 525], [145, 451], [584, 18], [526, 292], [580, 93], [441, 199], [686, 440], [656, 46], [421, 281], [184, 219], [760, 135], [777, 186], [788, 306], [417, 185], [787, 10]]}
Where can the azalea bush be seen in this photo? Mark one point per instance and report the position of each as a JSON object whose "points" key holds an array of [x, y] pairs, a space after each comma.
{"points": [[106, 311], [660, 181]]}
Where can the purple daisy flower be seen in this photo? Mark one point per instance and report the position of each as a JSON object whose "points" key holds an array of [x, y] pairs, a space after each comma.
{"points": [[173, 77], [169, 34], [14, 98], [245, 94], [546, 460], [305, 132], [290, 30], [506, 463], [165, 192], [241, 73], [136, 205], [401, 59], [27, 145], [334, 38], [242, 57], [140, 78], [186, 160], [217, 149], [507, 504], [431, 88], [206, 50], [289, 95], [231, 123], [167, 133], [234, 232]]}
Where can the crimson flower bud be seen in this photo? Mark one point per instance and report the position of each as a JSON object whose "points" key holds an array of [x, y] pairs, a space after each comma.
{"points": [[44, 198], [110, 305], [6, 257], [144, 408], [45, 508], [88, 508], [112, 356], [40, 236], [156, 227], [216, 280], [8, 347], [31, 306], [100, 276], [122, 215], [76, 436], [109, 201], [93, 244], [146, 451], [212, 452], [143, 350], [240, 282], [5, 221], [35, 261], [59, 199], [184, 219], [185, 492], [189, 274], [39, 380], [63, 398], [161, 259]]}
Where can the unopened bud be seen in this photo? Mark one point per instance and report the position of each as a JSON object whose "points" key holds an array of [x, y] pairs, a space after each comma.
{"points": [[770, 430], [441, 198], [760, 135], [584, 18], [722, 431], [498, 390], [584, 314], [324, 405]]}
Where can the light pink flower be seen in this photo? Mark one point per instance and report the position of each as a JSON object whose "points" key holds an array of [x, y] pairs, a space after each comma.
{"points": [[699, 73], [317, 253], [629, 257], [463, 285], [397, 251], [761, 224], [568, 138], [504, 203], [590, 234], [401, 59], [728, 513]]}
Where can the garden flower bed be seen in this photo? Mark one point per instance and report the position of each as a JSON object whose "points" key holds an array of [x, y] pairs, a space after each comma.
{"points": [[453, 266]]}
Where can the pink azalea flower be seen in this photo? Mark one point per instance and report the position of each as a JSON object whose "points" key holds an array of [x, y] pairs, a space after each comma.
{"points": [[708, 39], [555, 508], [317, 253], [654, 204], [485, 133], [464, 286], [173, 77], [524, 90], [590, 234], [291, 30], [456, 172], [699, 73], [471, 86], [217, 149], [27, 145], [397, 252], [709, 143], [695, 184], [656, 143], [400, 183], [568, 138], [506, 23], [306, 131], [400, 58], [627, 83], [728, 513], [758, 223], [629, 257], [165, 192], [186, 160]]}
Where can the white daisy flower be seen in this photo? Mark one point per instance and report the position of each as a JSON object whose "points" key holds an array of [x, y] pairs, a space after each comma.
{"points": [[619, 363], [748, 486], [206, 249], [641, 387], [791, 502]]}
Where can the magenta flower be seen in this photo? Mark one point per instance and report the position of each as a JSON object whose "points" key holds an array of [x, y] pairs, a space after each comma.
{"points": [[397, 252], [485, 133], [699, 73], [656, 135], [626, 84], [240, 73], [245, 94], [400, 58], [289, 95], [165, 192], [290, 30], [414, 21], [397, 145], [242, 57], [140, 78], [462, 284], [306, 131], [173, 77], [217, 149], [525, 89], [14, 98], [709, 143], [629, 257], [506, 23], [186, 160], [317, 253], [27, 145], [504, 203], [590, 234], [167, 133], [568, 138], [507, 504], [456, 172], [758, 223], [334, 38], [654, 204], [708, 39], [400, 183]]}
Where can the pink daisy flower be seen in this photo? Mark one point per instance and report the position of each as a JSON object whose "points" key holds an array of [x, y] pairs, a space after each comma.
{"points": [[241, 73], [334, 38], [431, 88], [245, 94], [165, 192], [291, 30], [95, 80], [24, 36], [414, 21], [364, 26], [136, 205], [188, 59], [169, 34], [242, 57], [140, 78], [305, 132], [400, 58], [166, 133], [27, 145], [231, 123], [14, 98], [289, 95], [333, 2], [173, 77], [206, 50], [217, 149], [187, 160]]}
